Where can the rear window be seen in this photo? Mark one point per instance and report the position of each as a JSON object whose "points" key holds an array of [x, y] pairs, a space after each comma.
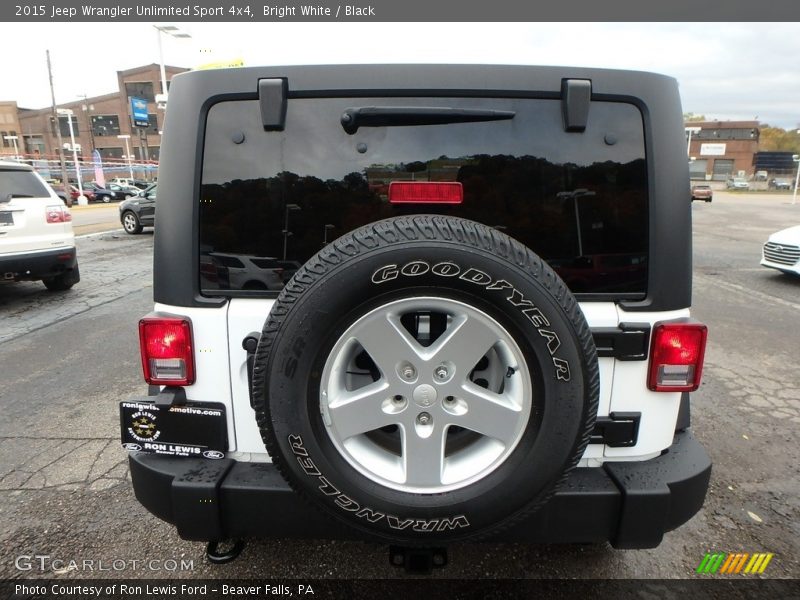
{"points": [[21, 184], [275, 198]]}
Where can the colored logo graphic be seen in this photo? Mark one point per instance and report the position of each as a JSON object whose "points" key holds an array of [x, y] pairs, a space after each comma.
{"points": [[742, 562]]}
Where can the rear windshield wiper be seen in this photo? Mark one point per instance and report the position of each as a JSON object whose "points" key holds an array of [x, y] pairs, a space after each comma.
{"points": [[389, 116]]}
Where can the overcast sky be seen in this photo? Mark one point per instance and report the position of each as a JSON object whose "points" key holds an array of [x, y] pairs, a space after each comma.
{"points": [[726, 71]]}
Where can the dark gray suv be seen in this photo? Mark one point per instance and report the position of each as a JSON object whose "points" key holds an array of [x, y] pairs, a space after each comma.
{"points": [[139, 211]]}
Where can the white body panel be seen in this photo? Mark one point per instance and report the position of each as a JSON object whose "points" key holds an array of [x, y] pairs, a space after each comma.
{"points": [[245, 316], [211, 359], [630, 394], [222, 377]]}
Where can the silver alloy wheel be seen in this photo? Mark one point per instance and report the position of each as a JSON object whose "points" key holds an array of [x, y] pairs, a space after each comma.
{"points": [[429, 411], [129, 222]]}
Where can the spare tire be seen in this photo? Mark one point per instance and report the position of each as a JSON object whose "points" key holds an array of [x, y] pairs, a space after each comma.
{"points": [[426, 379]]}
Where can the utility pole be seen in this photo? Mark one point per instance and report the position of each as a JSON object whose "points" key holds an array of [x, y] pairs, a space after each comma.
{"points": [[64, 177], [88, 109]]}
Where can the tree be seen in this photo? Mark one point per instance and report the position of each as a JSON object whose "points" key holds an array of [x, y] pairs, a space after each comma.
{"points": [[775, 139], [691, 117]]}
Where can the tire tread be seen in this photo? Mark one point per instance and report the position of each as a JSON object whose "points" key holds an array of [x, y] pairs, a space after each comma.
{"points": [[400, 230]]}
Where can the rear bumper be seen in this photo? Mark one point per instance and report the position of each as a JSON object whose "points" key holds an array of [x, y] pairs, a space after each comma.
{"points": [[630, 504], [38, 265]]}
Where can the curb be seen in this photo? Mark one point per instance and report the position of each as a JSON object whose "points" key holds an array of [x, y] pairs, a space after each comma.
{"points": [[94, 205]]}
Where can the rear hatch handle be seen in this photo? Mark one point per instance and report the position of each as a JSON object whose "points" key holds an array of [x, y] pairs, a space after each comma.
{"points": [[389, 116]]}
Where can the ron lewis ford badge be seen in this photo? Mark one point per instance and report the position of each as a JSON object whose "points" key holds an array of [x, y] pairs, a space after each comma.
{"points": [[192, 429], [143, 426]]}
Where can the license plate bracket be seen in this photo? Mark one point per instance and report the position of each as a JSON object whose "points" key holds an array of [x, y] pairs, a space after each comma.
{"points": [[190, 430]]}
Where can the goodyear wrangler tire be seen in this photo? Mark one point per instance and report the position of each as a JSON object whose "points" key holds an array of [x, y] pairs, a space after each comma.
{"points": [[426, 379]]}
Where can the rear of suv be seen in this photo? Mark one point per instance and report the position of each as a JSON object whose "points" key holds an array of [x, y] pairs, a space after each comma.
{"points": [[36, 237], [489, 336]]}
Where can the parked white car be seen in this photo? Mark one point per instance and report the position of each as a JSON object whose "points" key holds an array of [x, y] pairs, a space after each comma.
{"points": [[782, 251], [36, 238], [737, 183]]}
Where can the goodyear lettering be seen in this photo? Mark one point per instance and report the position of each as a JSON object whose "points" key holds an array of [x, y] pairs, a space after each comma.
{"points": [[552, 340], [516, 298], [417, 267], [384, 274], [445, 269], [476, 276], [500, 284], [536, 317], [346, 503], [562, 369]]}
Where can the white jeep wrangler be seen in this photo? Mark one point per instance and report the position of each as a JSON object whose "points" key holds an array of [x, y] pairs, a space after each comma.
{"points": [[483, 330]]}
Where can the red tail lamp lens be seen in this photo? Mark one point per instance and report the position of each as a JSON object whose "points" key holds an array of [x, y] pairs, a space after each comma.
{"points": [[58, 214], [426, 192], [166, 347], [676, 357]]}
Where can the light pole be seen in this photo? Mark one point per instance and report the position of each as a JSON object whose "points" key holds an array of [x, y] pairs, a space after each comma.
{"points": [[690, 131], [172, 31], [126, 137], [67, 112], [13, 138], [325, 230], [796, 158], [575, 194], [286, 232]]}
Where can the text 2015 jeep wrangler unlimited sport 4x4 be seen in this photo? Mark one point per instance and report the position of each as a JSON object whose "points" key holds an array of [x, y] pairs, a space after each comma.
{"points": [[436, 301]]}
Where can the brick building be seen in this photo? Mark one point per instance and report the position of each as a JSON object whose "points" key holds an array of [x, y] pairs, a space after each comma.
{"points": [[9, 127], [722, 149], [98, 120]]}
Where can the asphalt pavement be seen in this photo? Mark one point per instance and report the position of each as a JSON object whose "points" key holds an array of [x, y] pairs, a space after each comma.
{"points": [[67, 359]]}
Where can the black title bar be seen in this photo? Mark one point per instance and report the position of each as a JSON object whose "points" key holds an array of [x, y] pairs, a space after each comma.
{"points": [[392, 10]]}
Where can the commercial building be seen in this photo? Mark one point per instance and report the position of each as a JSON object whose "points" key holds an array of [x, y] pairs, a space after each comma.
{"points": [[9, 129], [96, 121], [719, 150]]}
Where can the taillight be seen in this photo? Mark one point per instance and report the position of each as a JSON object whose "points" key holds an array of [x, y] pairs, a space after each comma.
{"points": [[676, 356], [166, 347], [426, 192], [58, 213]]}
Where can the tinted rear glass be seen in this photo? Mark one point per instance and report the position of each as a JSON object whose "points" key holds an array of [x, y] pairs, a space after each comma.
{"points": [[577, 199], [21, 183]]}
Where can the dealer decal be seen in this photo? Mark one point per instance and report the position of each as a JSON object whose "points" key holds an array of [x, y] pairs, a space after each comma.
{"points": [[143, 426], [347, 504], [448, 269]]}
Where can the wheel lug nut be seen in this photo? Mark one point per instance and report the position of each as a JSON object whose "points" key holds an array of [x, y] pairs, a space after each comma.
{"points": [[441, 372], [407, 372], [398, 400], [424, 418]]}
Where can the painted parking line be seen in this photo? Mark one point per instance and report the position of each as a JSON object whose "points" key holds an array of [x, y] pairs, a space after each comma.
{"points": [[90, 235]]}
